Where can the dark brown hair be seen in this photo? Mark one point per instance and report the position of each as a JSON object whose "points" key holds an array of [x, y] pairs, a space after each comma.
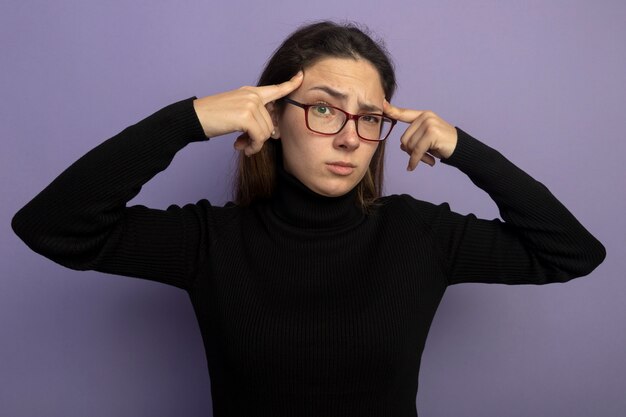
{"points": [[303, 48]]}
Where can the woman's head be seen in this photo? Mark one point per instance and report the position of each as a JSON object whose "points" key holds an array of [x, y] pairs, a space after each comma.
{"points": [[310, 43], [304, 49]]}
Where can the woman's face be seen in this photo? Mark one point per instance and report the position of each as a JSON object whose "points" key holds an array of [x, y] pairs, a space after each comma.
{"points": [[331, 165]]}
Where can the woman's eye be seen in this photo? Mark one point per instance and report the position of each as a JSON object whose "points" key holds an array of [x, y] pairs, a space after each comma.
{"points": [[323, 110], [371, 119]]}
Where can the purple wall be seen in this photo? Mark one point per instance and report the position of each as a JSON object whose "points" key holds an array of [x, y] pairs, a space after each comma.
{"points": [[543, 82]]}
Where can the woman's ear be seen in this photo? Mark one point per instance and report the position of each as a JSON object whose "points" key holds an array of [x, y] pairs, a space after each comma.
{"points": [[272, 109]]}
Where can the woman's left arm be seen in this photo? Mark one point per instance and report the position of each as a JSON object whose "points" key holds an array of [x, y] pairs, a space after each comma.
{"points": [[539, 242]]}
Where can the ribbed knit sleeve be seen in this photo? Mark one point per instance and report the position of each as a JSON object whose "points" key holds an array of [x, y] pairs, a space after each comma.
{"points": [[81, 220], [539, 242]]}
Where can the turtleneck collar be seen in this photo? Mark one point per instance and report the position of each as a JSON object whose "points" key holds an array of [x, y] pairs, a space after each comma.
{"points": [[294, 203]]}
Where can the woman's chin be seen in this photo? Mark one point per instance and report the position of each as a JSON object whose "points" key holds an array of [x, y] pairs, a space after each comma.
{"points": [[333, 188]]}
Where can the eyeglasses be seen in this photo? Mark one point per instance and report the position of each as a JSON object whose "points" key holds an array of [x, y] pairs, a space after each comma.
{"points": [[329, 120]]}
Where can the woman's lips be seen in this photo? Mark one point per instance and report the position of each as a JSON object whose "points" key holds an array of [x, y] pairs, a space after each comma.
{"points": [[340, 168]]}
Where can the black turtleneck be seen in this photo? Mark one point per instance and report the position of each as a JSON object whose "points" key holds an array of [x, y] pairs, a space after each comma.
{"points": [[296, 204], [307, 306]]}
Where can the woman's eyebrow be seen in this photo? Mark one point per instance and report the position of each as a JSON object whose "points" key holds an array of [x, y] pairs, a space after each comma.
{"points": [[342, 96]]}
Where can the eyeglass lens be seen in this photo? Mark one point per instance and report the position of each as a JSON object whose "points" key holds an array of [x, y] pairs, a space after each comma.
{"points": [[328, 120]]}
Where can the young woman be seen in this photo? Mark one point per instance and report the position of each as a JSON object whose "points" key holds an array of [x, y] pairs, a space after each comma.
{"points": [[314, 293]]}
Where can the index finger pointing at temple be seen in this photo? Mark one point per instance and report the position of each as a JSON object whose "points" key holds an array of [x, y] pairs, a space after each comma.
{"points": [[401, 114], [274, 92]]}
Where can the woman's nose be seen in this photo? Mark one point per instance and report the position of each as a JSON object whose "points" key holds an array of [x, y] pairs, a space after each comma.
{"points": [[347, 138]]}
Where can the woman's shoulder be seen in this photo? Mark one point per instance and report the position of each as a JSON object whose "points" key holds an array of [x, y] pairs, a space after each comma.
{"points": [[407, 202], [210, 213], [407, 205]]}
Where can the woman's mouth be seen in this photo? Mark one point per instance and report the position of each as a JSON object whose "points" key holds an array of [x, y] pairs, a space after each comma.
{"points": [[341, 168]]}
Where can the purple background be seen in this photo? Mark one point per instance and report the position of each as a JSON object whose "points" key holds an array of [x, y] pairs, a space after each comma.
{"points": [[544, 82]]}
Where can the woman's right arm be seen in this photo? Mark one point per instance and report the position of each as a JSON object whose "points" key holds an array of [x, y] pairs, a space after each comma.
{"points": [[81, 220]]}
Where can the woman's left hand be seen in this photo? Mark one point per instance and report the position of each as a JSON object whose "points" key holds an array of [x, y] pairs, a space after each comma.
{"points": [[427, 136]]}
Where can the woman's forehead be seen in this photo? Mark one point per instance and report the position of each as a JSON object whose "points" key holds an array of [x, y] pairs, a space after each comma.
{"points": [[344, 78]]}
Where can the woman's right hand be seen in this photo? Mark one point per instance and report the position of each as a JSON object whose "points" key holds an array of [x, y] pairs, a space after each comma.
{"points": [[243, 110]]}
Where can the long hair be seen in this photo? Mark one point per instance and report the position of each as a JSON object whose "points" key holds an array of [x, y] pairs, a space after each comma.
{"points": [[256, 175]]}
